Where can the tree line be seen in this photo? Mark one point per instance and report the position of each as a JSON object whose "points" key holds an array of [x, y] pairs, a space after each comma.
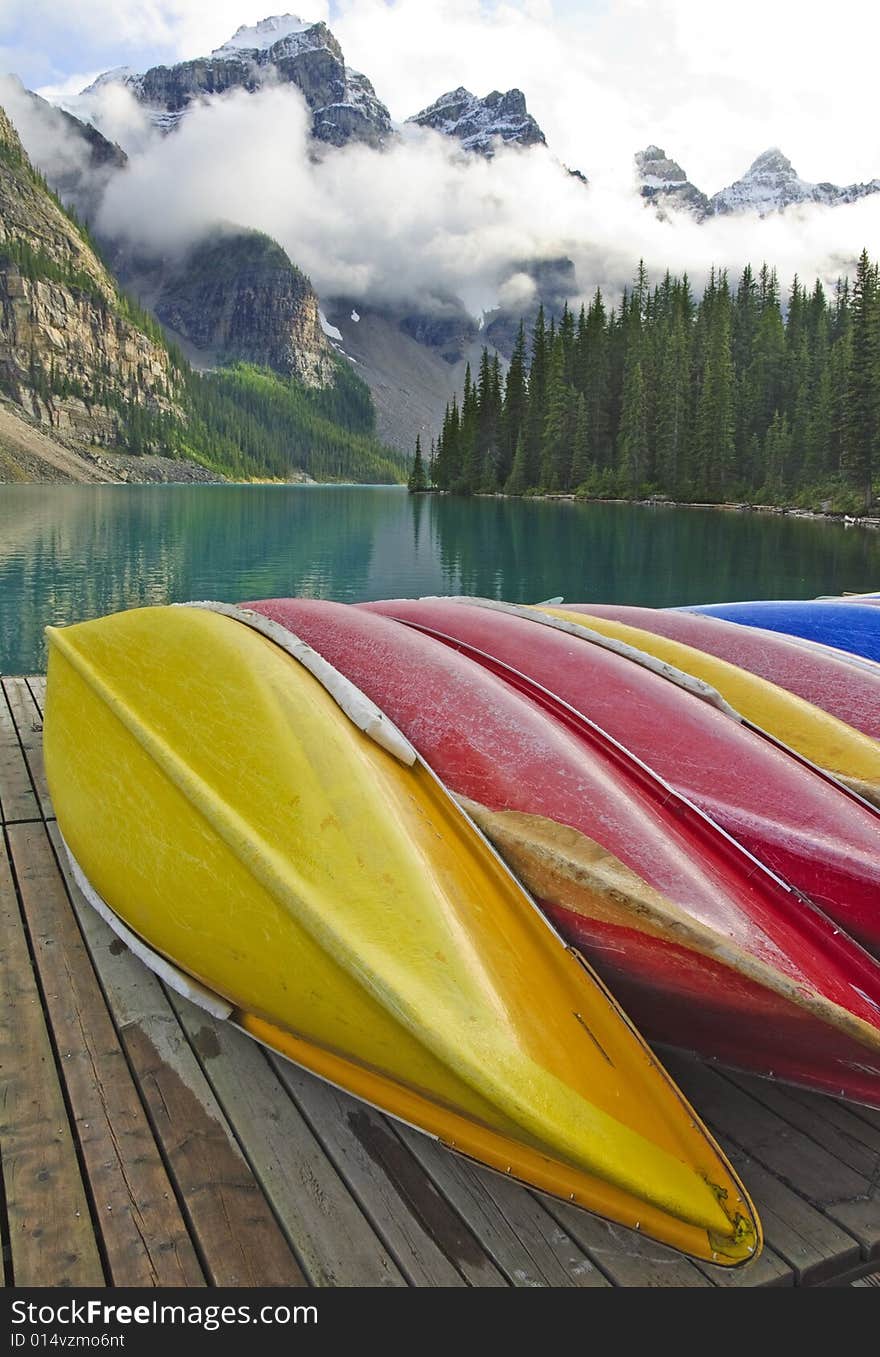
{"points": [[737, 396]]}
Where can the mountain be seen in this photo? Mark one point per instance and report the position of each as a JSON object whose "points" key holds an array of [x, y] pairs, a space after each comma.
{"points": [[480, 124], [76, 158], [772, 184], [236, 297], [83, 363], [74, 353], [278, 50], [664, 183]]}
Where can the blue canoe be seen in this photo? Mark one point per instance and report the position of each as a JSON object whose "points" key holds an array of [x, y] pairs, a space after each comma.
{"points": [[853, 627]]}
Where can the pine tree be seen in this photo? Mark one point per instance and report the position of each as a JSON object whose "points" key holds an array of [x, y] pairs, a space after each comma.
{"points": [[515, 409], [518, 480], [534, 426], [580, 459], [860, 428], [633, 439], [417, 478]]}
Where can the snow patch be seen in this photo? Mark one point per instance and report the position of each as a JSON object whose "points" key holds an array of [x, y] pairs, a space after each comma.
{"points": [[260, 37], [329, 330], [355, 315]]}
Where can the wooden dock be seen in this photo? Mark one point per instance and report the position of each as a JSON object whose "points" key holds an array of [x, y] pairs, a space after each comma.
{"points": [[143, 1144]]}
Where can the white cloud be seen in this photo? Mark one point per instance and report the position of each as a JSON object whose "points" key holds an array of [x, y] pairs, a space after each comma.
{"points": [[419, 222], [714, 83]]}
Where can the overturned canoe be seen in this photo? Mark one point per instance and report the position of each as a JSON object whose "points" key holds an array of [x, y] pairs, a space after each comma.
{"points": [[851, 626], [818, 674], [269, 835], [822, 739], [707, 950], [802, 824]]}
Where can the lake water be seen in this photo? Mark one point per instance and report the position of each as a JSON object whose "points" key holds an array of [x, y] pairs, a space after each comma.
{"points": [[72, 552]]}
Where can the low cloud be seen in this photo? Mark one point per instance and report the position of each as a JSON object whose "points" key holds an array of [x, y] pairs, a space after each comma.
{"points": [[420, 222]]}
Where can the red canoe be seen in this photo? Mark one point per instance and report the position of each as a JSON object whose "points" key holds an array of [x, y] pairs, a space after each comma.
{"points": [[706, 949], [810, 831], [847, 691]]}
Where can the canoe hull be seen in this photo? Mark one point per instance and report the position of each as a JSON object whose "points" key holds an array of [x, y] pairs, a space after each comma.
{"points": [[827, 680], [562, 804], [223, 804], [847, 626], [800, 824]]}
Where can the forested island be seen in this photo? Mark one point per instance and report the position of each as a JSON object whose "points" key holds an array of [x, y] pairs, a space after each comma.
{"points": [[736, 397]]}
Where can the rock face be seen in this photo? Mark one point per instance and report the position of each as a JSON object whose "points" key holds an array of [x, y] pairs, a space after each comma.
{"points": [[76, 159], [772, 184], [480, 124], [664, 183], [277, 50], [237, 297], [70, 351]]}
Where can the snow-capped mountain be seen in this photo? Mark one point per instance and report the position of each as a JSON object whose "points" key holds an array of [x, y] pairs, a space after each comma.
{"points": [[479, 124], [263, 35], [664, 183], [772, 184], [279, 49]]}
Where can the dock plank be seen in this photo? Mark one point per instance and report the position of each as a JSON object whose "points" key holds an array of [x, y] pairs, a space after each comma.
{"points": [[626, 1258], [51, 1237], [515, 1241], [836, 1128], [426, 1237], [817, 1225], [332, 1237], [235, 1233], [277, 1179], [143, 1233], [28, 719], [17, 798]]}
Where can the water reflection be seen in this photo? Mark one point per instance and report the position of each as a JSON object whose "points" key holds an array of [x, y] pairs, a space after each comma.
{"points": [[71, 552]]}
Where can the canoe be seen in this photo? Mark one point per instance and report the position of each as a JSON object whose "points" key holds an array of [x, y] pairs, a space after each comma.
{"points": [[844, 752], [802, 824], [267, 836], [818, 674], [848, 626], [705, 949]]}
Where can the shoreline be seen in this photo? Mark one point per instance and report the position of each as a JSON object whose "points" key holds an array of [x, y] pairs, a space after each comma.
{"points": [[783, 510]]}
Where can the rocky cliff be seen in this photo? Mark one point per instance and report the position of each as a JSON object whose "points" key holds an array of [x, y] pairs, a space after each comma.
{"points": [[74, 354], [76, 159], [664, 183], [481, 124], [281, 50], [771, 184], [237, 297]]}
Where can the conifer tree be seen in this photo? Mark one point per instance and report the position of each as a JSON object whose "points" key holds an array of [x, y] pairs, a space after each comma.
{"points": [[860, 426], [417, 478]]}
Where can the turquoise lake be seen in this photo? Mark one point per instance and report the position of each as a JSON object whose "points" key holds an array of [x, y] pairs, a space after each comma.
{"points": [[72, 552]]}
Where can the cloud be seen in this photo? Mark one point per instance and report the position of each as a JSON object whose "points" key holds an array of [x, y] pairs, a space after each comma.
{"points": [[419, 222], [44, 40], [714, 81]]}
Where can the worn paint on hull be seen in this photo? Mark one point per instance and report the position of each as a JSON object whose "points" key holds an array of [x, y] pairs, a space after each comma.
{"points": [[800, 823], [822, 739], [850, 626], [826, 679], [528, 755], [220, 800]]}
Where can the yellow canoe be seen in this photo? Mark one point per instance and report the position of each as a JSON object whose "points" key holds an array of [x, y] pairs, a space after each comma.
{"points": [[254, 821], [850, 756]]}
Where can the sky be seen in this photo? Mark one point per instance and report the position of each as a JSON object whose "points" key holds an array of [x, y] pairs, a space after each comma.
{"points": [[714, 82], [711, 81]]}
